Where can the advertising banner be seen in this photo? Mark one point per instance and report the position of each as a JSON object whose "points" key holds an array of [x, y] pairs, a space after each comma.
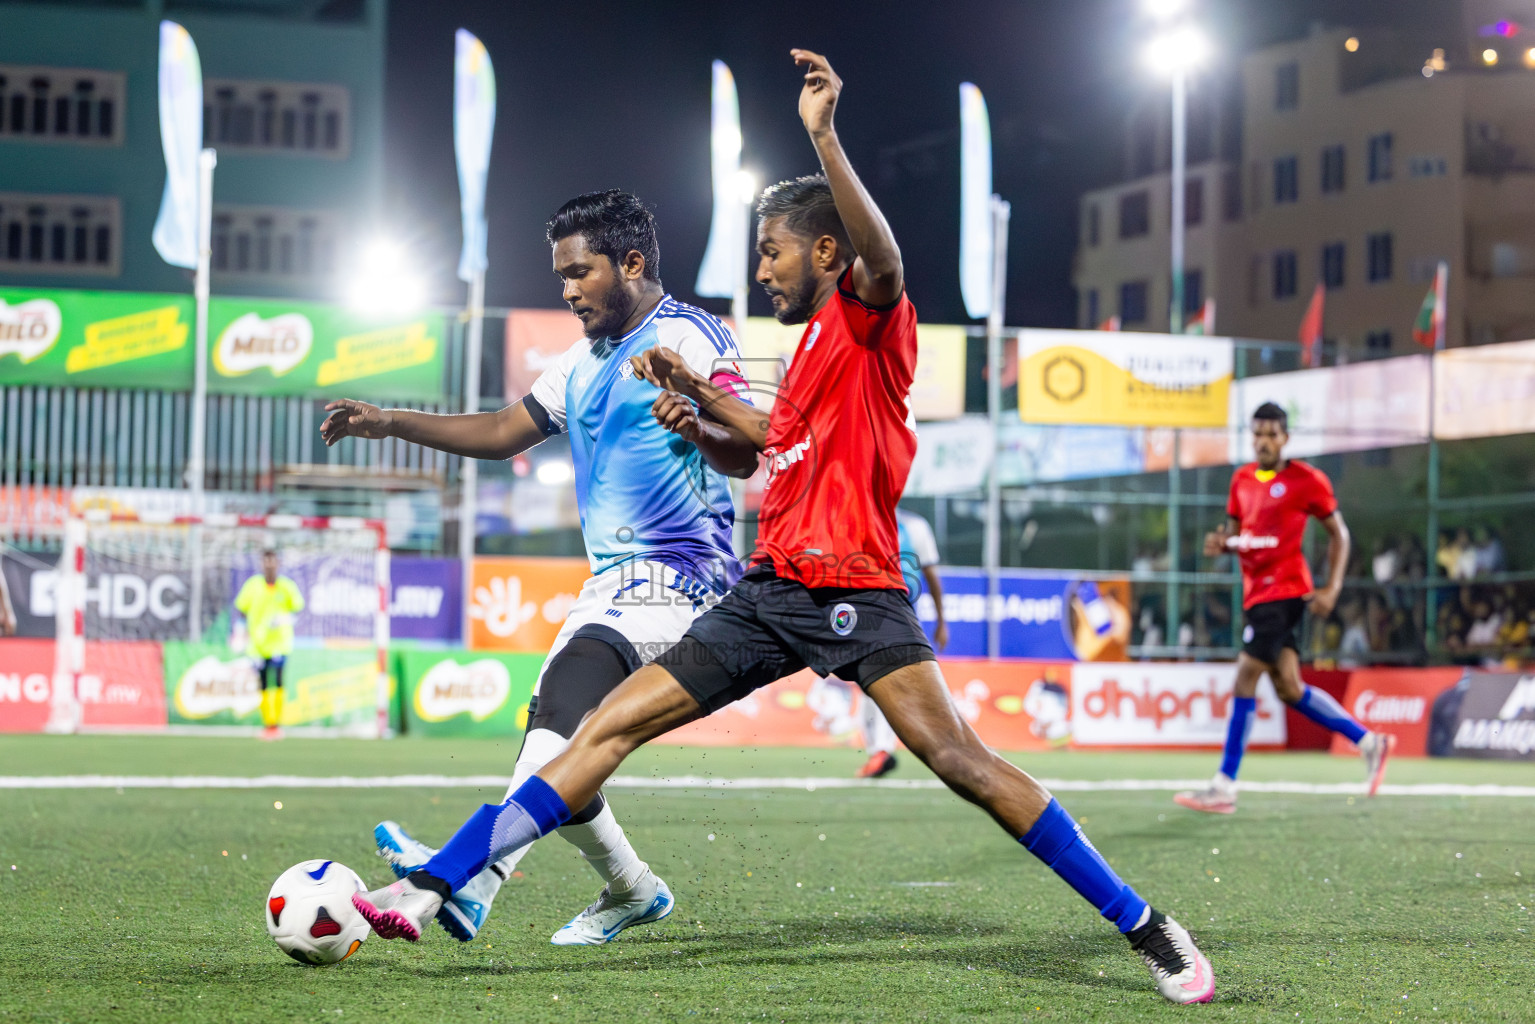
{"points": [[724, 264], [1123, 379], [519, 604], [975, 241], [1162, 705], [1399, 701], [275, 347], [95, 339], [181, 138], [1012, 706], [1044, 617], [535, 340], [122, 686], [474, 124], [1485, 391], [466, 693], [29, 580], [1489, 715], [425, 599], [208, 684], [1377, 404]]}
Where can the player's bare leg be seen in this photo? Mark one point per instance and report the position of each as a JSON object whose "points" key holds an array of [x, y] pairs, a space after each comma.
{"points": [[916, 701]]}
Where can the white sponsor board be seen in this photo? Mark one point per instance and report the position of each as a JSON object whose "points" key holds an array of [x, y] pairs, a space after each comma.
{"points": [[478, 689], [1181, 705]]}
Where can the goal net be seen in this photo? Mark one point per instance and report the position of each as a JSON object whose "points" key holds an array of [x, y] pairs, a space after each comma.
{"points": [[136, 594]]}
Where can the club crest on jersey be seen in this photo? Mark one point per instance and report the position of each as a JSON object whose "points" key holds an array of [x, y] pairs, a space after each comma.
{"points": [[1278, 490], [843, 618], [815, 332], [625, 370]]}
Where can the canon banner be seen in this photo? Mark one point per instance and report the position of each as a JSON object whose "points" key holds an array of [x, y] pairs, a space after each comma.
{"points": [[464, 693], [1399, 701], [1152, 705]]}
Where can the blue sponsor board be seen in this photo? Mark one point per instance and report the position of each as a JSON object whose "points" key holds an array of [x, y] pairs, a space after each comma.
{"points": [[1033, 615], [426, 599]]}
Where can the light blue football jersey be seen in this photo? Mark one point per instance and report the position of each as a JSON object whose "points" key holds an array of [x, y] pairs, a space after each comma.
{"points": [[919, 549], [642, 491]]}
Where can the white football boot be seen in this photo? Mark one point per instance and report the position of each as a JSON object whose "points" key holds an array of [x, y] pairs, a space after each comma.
{"points": [[465, 911], [650, 900], [1375, 748], [1181, 972], [1219, 797], [399, 910]]}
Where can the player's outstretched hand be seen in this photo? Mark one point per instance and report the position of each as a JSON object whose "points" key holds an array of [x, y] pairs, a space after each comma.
{"points": [[665, 369], [818, 97], [351, 418], [677, 415]]}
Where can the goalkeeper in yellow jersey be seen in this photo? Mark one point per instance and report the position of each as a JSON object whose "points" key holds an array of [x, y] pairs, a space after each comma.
{"points": [[269, 602]]}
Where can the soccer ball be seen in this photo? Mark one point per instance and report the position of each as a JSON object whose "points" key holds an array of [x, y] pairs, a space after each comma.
{"points": [[309, 912]]}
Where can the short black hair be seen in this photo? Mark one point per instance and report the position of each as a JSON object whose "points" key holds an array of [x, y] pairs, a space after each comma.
{"points": [[1271, 411], [807, 206], [614, 223]]}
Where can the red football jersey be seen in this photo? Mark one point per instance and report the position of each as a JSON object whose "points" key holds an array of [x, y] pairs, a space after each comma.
{"points": [[1272, 512], [839, 447]]}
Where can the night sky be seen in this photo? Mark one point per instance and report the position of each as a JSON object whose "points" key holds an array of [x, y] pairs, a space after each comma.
{"points": [[616, 94]]}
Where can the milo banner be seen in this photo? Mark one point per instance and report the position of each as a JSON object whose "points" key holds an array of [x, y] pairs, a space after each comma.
{"points": [[1115, 378], [95, 339], [467, 693], [274, 347], [206, 684]]}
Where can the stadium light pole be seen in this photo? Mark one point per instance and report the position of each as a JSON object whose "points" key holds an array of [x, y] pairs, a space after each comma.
{"points": [[1001, 216], [1175, 53]]}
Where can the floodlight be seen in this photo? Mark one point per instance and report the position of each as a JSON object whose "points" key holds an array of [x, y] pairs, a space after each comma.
{"points": [[1177, 50]]}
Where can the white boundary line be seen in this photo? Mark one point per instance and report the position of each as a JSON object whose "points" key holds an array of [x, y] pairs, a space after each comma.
{"points": [[695, 782]]}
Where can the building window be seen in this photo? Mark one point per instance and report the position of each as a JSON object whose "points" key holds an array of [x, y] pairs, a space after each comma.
{"points": [[1332, 264], [1286, 180], [1092, 224], [1193, 292], [278, 117], [1231, 195], [1287, 86], [1284, 274], [275, 244], [43, 234], [1332, 169], [1379, 247], [1377, 344], [1380, 157], [1134, 214], [1092, 309], [72, 105], [1132, 302], [1194, 202]]}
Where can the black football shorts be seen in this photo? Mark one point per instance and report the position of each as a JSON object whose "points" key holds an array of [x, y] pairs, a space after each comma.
{"points": [[767, 627], [1271, 627]]}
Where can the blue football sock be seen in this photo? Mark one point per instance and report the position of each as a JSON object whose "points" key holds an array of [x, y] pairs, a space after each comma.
{"points": [[1056, 840], [1237, 731], [1321, 708], [495, 830]]}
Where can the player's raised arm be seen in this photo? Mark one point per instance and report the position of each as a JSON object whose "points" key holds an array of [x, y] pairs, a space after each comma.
{"points": [[479, 435], [877, 273]]}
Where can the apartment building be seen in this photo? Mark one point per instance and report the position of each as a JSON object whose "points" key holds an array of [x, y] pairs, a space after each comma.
{"points": [[1362, 160]]}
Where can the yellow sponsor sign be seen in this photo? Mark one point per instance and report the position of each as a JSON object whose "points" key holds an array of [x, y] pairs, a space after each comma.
{"points": [[332, 694], [375, 352], [125, 338], [1123, 379]]}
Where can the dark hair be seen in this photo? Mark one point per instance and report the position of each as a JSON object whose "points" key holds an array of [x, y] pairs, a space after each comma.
{"points": [[807, 207], [614, 223], [1271, 411]]}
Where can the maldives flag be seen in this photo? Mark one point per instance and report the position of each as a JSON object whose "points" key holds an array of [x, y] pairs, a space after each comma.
{"points": [[1428, 328], [1111, 324], [1202, 322], [1311, 328]]}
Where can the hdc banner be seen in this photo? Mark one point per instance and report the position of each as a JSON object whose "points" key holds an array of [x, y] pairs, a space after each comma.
{"points": [[1124, 379]]}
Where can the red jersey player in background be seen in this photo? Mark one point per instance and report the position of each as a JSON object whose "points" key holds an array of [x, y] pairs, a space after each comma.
{"points": [[825, 587], [1271, 501]]}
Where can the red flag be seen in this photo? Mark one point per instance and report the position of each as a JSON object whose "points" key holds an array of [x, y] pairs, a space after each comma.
{"points": [[1111, 324], [1311, 328], [1428, 328]]}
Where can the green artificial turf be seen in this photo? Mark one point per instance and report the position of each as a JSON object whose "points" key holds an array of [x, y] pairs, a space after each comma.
{"points": [[792, 905]]}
